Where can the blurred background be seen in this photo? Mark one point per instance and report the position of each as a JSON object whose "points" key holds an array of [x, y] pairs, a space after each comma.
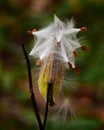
{"points": [[87, 99]]}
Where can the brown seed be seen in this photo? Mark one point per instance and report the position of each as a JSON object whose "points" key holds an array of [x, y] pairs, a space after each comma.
{"points": [[38, 62], [84, 48], [83, 29], [75, 53], [77, 70], [34, 30], [70, 65], [30, 32]]}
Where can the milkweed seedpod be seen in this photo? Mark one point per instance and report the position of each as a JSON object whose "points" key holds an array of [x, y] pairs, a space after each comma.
{"points": [[55, 47]]}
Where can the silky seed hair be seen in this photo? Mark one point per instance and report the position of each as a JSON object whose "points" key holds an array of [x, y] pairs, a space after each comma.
{"points": [[55, 47]]}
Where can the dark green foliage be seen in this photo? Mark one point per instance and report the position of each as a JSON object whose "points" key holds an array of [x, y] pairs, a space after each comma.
{"points": [[77, 124]]}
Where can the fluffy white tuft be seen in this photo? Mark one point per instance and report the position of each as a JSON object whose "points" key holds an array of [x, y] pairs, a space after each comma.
{"points": [[58, 38]]}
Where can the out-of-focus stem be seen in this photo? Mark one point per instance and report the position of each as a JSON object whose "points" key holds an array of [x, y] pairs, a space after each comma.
{"points": [[33, 99]]}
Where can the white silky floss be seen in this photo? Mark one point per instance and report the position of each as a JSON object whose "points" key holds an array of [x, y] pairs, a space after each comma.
{"points": [[60, 33]]}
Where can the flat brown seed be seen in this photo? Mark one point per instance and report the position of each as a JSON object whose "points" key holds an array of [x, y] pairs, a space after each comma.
{"points": [[70, 65], [84, 48], [38, 62], [77, 70], [75, 53], [83, 29]]}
